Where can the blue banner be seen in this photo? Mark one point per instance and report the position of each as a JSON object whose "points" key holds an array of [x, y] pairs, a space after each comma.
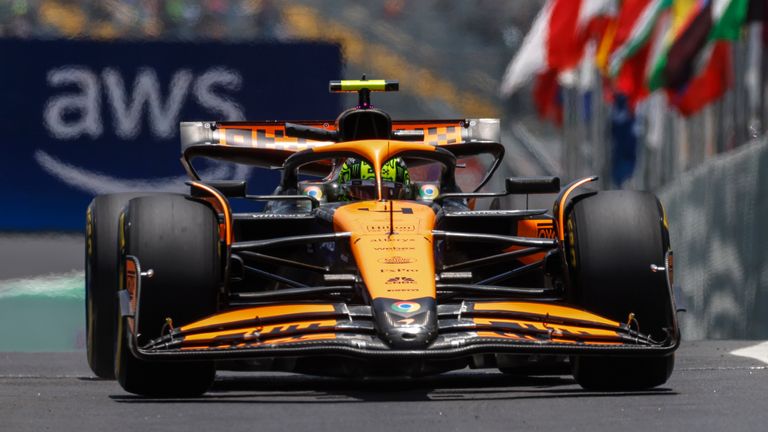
{"points": [[81, 118]]}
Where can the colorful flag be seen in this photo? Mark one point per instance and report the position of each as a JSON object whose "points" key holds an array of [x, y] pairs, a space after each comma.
{"points": [[728, 16], [697, 76], [710, 84], [549, 45], [683, 14], [624, 51], [556, 40], [634, 24], [555, 44], [696, 24]]}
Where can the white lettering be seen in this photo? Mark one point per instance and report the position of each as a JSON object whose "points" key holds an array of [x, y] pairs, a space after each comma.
{"points": [[73, 115], [207, 98], [86, 105], [127, 115]]}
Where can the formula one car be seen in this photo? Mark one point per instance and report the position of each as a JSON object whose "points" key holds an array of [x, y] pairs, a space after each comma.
{"points": [[371, 259]]}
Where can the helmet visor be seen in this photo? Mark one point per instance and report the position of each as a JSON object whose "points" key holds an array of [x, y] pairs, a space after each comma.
{"points": [[366, 190]]}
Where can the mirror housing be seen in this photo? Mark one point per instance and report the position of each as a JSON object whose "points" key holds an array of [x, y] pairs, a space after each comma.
{"points": [[532, 185]]}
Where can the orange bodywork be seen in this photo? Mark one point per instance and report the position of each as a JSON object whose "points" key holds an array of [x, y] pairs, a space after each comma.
{"points": [[399, 265], [559, 333], [221, 205], [262, 312], [534, 228]]}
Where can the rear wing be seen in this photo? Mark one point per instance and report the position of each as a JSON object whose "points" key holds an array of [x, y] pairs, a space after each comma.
{"points": [[272, 134]]}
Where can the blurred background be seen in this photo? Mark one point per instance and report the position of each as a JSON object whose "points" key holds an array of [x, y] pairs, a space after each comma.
{"points": [[660, 95]]}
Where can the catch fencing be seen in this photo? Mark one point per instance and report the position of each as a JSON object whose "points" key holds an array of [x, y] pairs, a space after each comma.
{"points": [[717, 215]]}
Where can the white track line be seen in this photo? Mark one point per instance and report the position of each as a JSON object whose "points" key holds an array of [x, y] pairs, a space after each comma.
{"points": [[55, 285], [758, 352]]}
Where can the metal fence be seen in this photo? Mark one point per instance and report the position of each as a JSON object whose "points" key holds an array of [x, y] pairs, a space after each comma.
{"points": [[717, 216]]}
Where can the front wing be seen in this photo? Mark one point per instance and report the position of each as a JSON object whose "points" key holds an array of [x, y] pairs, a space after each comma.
{"points": [[471, 327]]}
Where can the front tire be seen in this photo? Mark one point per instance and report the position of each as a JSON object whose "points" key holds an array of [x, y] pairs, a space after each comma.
{"points": [[178, 239], [101, 281], [613, 239]]}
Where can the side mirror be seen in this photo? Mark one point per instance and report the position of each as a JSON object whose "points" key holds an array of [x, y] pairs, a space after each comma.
{"points": [[532, 185]]}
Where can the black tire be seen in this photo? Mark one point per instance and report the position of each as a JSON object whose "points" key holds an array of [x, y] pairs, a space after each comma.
{"points": [[178, 239], [101, 281], [613, 239]]}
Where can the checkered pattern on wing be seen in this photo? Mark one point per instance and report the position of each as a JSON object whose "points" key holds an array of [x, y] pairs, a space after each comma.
{"points": [[437, 136]]}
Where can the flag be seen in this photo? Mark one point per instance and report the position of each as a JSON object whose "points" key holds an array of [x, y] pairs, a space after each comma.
{"points": [[549, 45], [624, 57], [556, 40], [678, 69], [696, 24], [634, 24], [554, 44], [707, 72], [547, 98], [728, 16], [594, 18], [683, 14], [710, 84]]}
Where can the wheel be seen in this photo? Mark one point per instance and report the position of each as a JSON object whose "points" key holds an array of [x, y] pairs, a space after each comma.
{"points": [[101, 281], [622, 374], [178, 239], [613, 239]]}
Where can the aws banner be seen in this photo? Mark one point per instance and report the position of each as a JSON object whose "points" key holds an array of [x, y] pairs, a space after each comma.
{"points": [[81, 118]]}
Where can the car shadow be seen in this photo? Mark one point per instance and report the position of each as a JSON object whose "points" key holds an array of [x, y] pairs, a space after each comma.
{"points": [[462, 386]]}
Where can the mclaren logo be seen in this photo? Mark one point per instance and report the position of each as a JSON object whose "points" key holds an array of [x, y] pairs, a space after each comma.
{"points": [[545, 230]]}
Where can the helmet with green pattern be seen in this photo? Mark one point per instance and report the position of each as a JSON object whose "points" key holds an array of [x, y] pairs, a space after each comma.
{"points": [[357, 180]]}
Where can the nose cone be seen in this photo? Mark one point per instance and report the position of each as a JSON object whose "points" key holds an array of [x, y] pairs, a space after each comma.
{"points": [[406, 324]]}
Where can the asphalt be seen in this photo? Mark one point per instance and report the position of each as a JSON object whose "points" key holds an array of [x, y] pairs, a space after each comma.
{"points": [[709, 390]]}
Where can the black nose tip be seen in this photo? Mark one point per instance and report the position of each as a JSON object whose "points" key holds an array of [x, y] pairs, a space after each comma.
{"points": [[410, 338]]}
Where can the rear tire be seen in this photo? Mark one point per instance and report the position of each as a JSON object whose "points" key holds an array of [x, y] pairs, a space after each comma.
{"points": [[101, 281], [178, 239], [613, 238]]}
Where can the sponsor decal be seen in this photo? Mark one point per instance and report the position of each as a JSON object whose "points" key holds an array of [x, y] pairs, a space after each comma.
{"points": [[92, 111], [394, 248], [396, 260], [405, 307], [400, 280], [315, 192], [385, 228], [398, 270], [428, 192], [280, 216], [393, 239], [545, 230], [405, 321]]}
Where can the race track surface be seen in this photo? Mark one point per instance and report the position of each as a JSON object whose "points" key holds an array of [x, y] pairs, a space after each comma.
{"points": [[710, 389]]}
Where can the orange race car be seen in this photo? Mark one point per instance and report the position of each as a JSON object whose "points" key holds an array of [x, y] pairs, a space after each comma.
{"points": [[370, 259]]}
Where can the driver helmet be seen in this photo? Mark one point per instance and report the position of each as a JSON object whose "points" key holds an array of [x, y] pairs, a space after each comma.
{"points": [[357, 179]]}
